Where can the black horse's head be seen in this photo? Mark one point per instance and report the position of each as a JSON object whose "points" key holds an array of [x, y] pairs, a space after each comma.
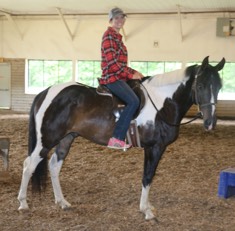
{"points": [[206, 87]]}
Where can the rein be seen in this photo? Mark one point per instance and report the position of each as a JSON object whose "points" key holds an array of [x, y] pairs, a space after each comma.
{"points": [[198, 115]]}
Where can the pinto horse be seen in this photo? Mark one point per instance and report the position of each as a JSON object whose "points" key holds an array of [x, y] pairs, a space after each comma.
{"points": [[63, 112]]}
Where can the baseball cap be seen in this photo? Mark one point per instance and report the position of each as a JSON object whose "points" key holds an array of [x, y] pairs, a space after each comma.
{"points": [[116, 11]]}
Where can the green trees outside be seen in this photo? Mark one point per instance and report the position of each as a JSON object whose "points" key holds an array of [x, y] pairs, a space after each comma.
{"points": [[154, 68], [228, 77], [88, 72], [44, 73]]}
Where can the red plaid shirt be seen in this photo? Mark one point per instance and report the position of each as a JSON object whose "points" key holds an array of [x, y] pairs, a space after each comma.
{"points": [[114, 58]]}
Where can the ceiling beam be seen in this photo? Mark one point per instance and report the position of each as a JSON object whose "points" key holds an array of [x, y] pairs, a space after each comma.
{"points": [[153, 13], [65, 23], [180, 21], [10, 18], [124, 33]]}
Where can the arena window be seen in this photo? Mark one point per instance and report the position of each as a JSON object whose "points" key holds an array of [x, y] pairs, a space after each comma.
{"points": [[227, 74], [148, 68], [88, 72], [44, 73]]}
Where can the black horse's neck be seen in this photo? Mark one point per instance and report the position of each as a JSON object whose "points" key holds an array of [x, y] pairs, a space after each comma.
{"points": [[185, 94]]}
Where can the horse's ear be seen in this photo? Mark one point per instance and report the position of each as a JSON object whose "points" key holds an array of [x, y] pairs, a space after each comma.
{"points": [[220, 65], [205, 63]]}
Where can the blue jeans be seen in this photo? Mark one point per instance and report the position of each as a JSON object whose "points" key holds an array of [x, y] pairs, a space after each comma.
{"points": [[123, 91]]}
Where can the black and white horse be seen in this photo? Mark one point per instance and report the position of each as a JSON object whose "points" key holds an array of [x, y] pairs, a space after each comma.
{"points": [[63, 112]]}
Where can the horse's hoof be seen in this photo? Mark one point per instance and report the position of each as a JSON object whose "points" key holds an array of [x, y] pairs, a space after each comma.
{"points": [[68, 208], [23, 209], [65, 205], [23, 205], [149, 215]]}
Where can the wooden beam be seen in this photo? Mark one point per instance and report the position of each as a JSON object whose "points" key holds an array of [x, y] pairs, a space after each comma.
{"points": [[9, 17], [180, 20], [124, 33], [65, 23]]}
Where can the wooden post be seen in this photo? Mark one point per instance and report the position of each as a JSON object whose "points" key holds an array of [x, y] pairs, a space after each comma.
{"points": [[4, 151]]}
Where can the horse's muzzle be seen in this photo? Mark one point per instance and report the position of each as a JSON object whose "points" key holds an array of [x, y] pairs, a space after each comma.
{"points": [[209, 124]]}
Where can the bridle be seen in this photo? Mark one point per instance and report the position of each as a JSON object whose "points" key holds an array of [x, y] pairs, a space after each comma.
{"points": [[196, 98]]}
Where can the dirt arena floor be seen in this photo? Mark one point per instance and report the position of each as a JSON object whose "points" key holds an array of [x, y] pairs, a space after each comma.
{"points": [[104, 185]]}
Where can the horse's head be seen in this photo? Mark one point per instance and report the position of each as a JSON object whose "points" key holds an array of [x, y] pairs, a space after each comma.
{"points": [[206, 87]]}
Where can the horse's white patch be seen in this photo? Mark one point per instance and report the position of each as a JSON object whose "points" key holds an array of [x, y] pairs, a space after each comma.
{"points": [[158, 94], [168, 78], [148, 113], [212, 102], [51, 94], [158, 88], [144, 200], [145, 205]]}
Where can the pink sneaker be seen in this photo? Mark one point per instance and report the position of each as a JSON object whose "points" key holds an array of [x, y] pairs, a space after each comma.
{"points": [[117, 144]]}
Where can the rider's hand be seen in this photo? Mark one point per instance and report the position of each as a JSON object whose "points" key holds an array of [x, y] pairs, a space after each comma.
{"points": [[137, 75]]}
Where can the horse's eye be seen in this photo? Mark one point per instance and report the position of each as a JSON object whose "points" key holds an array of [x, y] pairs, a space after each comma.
{"points": [[199, 87]]}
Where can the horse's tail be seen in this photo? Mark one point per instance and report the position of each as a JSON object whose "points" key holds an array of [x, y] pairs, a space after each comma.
{"points": [[32, 138], [39, 176]]}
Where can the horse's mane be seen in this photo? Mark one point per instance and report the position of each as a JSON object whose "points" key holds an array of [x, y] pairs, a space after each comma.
{"points": [[168, 78]]}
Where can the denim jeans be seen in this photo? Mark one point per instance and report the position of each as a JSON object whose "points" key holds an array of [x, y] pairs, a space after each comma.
{"points": [[123, 91]]}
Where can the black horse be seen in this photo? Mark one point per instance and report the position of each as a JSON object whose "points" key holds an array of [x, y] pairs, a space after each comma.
{"points": [[63, 112]]}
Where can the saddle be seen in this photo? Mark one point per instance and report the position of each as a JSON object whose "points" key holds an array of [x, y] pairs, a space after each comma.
{"points": [[119, 105]]}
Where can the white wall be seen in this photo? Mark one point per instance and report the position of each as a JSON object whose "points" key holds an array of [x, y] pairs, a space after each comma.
{"points": [[47, 38]]}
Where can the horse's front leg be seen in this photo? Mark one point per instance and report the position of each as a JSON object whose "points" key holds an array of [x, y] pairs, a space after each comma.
{"points": [[152, 157], [55, 166]]}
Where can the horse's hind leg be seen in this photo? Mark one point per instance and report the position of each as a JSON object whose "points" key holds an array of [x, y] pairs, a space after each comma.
{"points": [[55, 165], [30, 165]]}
